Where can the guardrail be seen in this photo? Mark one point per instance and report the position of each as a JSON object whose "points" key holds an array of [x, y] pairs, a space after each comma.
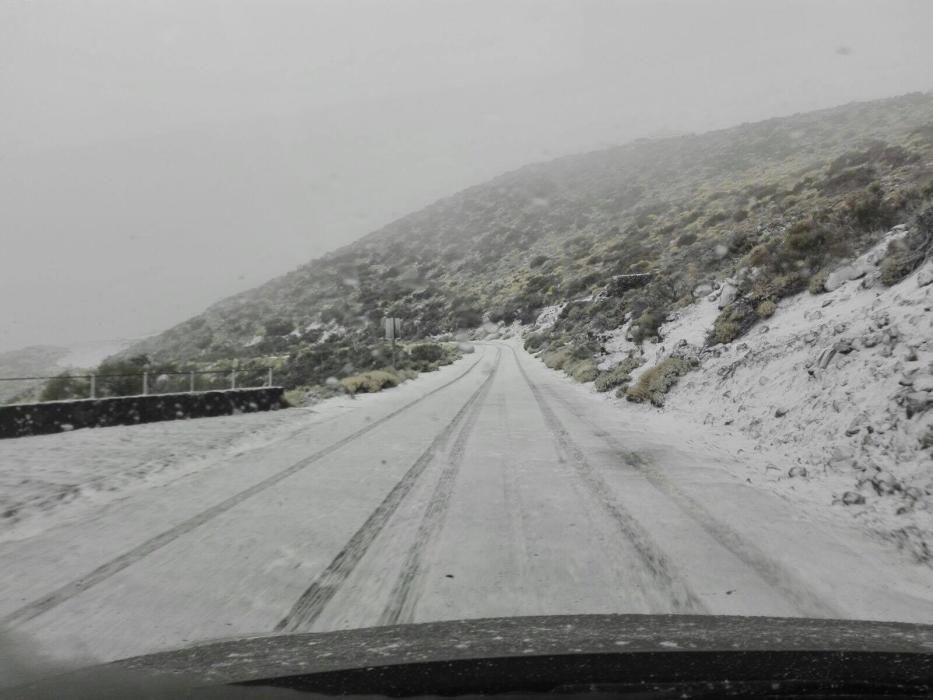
{"points": [[157, 382]]}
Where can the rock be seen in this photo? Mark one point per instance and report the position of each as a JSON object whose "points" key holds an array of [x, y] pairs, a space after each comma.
{"points": [[900, 228], [880, 319], [884, 483], [780, 412], [923, 382], [797, 471], [917, 402], [843, 347], [906, 379], [811, 337], [839, 328], [852, 498], [840, 276], [826, 302], [870, 280], [910, 355], [702, 290], [763, 329], [727, 295], [844, 464], [871, 340], [825, 356], [860, 421], [815, 315], [925, 275], [713, 297]]}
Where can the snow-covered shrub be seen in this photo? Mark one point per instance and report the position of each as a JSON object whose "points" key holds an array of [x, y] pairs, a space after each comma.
{"points": [[656, 381]]}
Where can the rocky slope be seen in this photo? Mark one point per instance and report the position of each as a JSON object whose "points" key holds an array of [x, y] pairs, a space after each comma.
{"points": [[828, 399], [673, 213]]}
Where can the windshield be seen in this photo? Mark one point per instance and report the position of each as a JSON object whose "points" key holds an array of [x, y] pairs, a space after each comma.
{"points": [[328, 315]]}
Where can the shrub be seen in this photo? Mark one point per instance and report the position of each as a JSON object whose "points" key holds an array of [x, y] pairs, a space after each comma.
{"points": [[583, 371], [732, 322], [426, 352], [618, 376], [766, 309], [296, 397], [906, 255], [817, 282], [65, 387], [538, 261], [279, 326], [556, 359], [369, 382], [686, 239], [533, 342], [655, 382]]}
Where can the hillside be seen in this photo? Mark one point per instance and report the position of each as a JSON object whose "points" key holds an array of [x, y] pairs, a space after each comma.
{"points": [[786, 196], [32, 361]]}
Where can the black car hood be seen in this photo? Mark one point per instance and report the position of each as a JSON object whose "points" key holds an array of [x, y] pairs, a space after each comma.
{"points": [[544, 653]]}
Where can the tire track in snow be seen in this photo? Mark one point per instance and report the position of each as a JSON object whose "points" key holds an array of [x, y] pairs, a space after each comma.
{"points": [[655, 561], [103, 572], [778, 577], [405, 591], [312, 602]]}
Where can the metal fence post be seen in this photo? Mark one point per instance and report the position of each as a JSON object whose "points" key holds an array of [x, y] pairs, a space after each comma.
{"points": [[269, 383], [145, 383], [191, 381], [93, 386], [233, 379]]}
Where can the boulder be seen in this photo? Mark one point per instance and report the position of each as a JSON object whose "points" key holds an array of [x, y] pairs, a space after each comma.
{"points": [[884, 483], [925, 275], [923, 382], [871, 340], [702, 290], [917, 402], [843, 347], [840, 276], [727, 295], [852, 498], [797, 471]]}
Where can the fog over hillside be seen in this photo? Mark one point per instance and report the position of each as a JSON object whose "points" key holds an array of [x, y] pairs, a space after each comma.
{"points": [[158, 158]]}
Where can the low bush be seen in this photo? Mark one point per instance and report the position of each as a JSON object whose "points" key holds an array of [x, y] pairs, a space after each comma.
{"points": [[907, 254], [732, 322], [556, 359], [426, 352], [766, 309], [369, 382], [534, 342], [618, 376], [582, 370], [655, 382], [816, 283]]}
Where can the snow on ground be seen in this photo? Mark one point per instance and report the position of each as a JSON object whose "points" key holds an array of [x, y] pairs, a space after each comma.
{"points": [[49, 479], [548, 316], [826, 400]]}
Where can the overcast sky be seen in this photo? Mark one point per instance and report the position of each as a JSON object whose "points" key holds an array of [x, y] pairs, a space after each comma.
{"points": [[158, 155]]}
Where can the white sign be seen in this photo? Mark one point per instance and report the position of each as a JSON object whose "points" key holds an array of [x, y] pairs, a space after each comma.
{"points": [[393, 328]]}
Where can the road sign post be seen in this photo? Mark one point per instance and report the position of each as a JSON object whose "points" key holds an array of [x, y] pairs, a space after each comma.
{"points": [[393, 330]]}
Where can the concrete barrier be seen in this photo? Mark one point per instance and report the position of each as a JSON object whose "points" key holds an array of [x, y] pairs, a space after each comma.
{"points": [[19, 420]]}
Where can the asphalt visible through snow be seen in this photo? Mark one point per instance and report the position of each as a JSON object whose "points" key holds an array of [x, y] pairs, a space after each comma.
{"points": [[496, 489]]}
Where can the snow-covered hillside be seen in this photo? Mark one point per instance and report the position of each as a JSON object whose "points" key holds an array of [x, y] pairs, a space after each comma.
{"points": [[828, 400]]}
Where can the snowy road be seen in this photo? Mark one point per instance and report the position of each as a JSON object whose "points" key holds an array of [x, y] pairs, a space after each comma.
{"points": [[493, 487]]}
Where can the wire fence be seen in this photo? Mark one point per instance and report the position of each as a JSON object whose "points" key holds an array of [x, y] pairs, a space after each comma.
{"points": [[91, 386]]}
